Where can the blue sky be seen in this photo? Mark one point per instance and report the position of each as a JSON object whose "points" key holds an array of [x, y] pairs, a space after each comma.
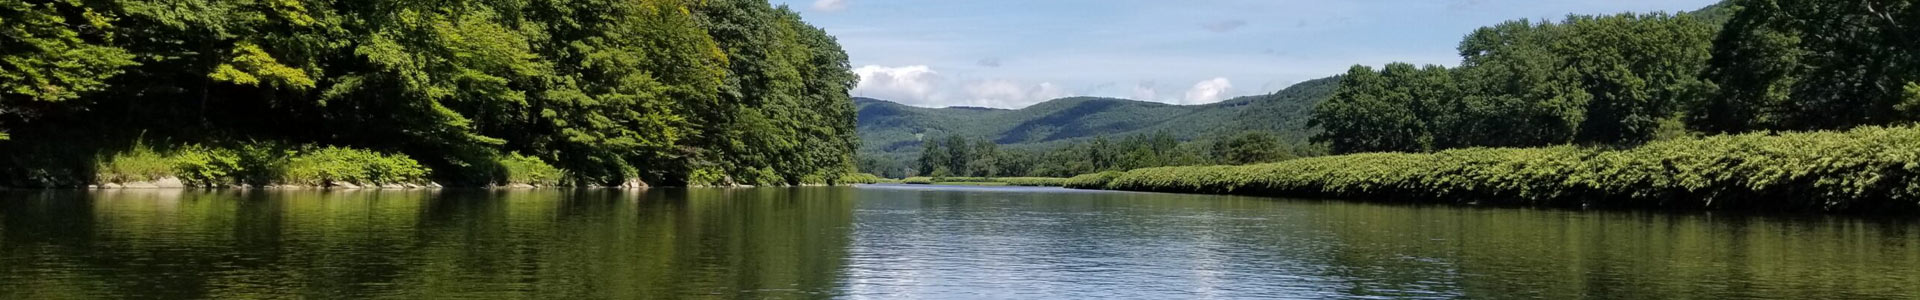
{"points": [[1014, 53]]}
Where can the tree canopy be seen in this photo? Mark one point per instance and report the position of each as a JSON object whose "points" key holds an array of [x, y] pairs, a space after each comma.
{"points": [[720, 91]]}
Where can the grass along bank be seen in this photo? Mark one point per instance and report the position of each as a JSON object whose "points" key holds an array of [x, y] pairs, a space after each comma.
{"points": [[144, 165], [1013, 181], [1869, 169]]}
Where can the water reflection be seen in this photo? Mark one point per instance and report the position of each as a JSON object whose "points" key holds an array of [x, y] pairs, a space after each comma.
{"points": [[421, 244], [947, 243], [887, 242]]}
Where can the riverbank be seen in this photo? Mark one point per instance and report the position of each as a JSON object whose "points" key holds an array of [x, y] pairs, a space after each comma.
{"points": [[265, 165], [1870, 169], [1013, 181]]}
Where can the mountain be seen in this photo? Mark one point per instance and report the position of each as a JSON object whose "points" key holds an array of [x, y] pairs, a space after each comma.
{"points": [[891, 130]]}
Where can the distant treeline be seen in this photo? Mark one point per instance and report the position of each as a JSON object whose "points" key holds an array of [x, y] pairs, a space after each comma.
{"points": [[1624, 80], [669, 91], [957, 156]]}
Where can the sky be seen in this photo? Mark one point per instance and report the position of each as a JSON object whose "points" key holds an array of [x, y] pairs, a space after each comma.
{"points": [[1015, 53]]}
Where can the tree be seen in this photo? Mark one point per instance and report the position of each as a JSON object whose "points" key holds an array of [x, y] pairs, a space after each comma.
{"points": [[1391, 110], [1249, 148], [1637, 69], [1795, 65]]}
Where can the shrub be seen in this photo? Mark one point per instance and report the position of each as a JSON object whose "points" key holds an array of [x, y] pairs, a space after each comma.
{"points": [[521, 169], [1865, 169], [198, 165], [706, 176], [330, 165], [1033, 181], [1091, 181], [140, 163]]}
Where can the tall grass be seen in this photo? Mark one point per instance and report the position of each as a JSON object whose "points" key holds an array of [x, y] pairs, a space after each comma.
{"points": [[139, 163], [1865, 169]]}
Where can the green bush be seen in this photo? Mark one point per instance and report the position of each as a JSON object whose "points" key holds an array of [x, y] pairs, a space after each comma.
{"points": [[917, 180], [1033, 181], [198, 165], [706, 176], [1091, 181], [1865, 169], [331, 165], [140, 163], [521, 169]]}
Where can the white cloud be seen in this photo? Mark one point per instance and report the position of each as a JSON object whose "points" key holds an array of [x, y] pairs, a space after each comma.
{"points": [[920, 85], [907, 84], [829, 5], [1209, 91], [1010, 94], [1145, 92]]}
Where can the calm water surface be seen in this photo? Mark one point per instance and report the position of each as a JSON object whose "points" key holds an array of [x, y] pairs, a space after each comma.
{"points": [[891, 242]]}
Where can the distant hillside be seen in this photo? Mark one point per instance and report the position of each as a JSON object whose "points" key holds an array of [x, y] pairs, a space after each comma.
{"points": [[892, 130]]}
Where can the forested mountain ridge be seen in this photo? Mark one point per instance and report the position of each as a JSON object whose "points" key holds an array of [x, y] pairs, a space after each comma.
{"points": [[894, 130]]}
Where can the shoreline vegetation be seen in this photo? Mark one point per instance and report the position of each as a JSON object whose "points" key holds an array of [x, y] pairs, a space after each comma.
{"points": [[267, 166], [1863, 170], [327, 93], [1009, 181]]}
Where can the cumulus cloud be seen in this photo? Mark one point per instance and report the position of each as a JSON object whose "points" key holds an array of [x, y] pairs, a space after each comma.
{"points": [[1010, 94], [1145, 92], [829, 5], [1209, 91], [1224, 26], [920, 85], [906, 84]]}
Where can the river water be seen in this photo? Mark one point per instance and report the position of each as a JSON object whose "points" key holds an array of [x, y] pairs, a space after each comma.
{"points": [[928, 242]]}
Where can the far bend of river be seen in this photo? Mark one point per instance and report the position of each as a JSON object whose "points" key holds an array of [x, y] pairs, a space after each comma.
{"points": [[894, 242]]}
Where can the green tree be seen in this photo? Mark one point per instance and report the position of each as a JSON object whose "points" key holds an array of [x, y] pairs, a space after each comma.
{"points": [[1250, 148], [1390, 110], [1638, 70], [1811, 65]]}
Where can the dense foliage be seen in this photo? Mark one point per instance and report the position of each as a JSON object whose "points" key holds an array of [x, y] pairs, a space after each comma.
{"points": [[1799, 65], [1595, 80], [957, 156], [669, 91], [270, 164], [1870, 169], [1623, 80]]}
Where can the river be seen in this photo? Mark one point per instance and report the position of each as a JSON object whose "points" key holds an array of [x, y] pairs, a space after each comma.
{"points": [[893, 242]]}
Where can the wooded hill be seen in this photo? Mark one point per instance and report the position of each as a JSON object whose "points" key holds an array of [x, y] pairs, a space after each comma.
{"points": [[893, 131]]}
